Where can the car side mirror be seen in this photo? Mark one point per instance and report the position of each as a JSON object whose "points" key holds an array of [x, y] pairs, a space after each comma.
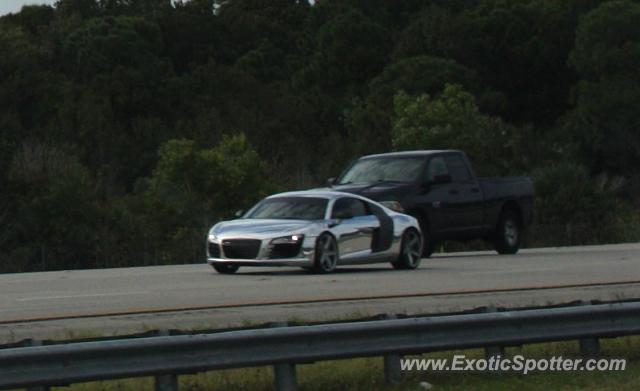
{"points": [[334, 222], [239, 213], [331, 181]]}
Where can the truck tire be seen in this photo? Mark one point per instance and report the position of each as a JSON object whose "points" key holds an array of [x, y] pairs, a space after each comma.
{"points": [[507, 234], [428, 248], [428, 244]]}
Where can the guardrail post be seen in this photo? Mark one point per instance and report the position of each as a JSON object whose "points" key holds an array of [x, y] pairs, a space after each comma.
{"points": [[36, 342], [590, 346], [285, 374], [392, 369], [165, 382], [493, 351]]}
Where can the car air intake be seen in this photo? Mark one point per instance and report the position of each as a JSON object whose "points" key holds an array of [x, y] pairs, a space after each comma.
{"points": [[241, 248], [214, 250], [285, 250]]}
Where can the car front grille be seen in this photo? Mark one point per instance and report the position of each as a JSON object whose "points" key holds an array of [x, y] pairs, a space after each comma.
{"points": [[241, 248], [214, 250], [285, 250]]}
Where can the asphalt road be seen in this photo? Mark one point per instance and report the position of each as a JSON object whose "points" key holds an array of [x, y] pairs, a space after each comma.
{"points": [[192, 296]]}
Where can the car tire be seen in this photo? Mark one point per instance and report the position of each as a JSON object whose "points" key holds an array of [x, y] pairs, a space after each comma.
{"points": [[326, 254], [225, 268], [410, 251], [508, 233]]}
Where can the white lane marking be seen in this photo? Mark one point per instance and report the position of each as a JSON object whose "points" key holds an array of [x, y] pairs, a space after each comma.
{"points": [[82, 296]]}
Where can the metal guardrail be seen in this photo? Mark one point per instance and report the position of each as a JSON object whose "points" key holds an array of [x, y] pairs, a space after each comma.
{"points": [[168, 356]]}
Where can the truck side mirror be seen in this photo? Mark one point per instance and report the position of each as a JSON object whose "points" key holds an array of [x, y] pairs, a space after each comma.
{"points": [[331, 181], [239, 213]]}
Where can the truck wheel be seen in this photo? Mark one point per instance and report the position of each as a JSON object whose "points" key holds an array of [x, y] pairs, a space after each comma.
{"points": [[224, 268], [507, 235], [410, 251], [428, 248]]}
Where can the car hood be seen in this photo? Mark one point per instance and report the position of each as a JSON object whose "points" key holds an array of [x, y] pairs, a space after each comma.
{"points": [[260, 227]]}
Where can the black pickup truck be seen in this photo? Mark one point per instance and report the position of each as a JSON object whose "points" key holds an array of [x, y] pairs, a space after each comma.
{"points": [[440, 189]]}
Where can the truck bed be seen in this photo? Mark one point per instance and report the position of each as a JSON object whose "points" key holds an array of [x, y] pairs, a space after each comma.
{"points": [[497, 190]]}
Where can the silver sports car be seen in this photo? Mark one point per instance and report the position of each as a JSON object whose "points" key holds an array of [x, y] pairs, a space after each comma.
{"points": [[316, 230]]}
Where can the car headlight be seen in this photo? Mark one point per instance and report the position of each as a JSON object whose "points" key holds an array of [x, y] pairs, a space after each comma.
{"points": [[291, 239], [213, 238]]}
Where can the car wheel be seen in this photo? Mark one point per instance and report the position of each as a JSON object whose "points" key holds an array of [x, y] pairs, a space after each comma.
{"points": [[326, 254], [410, 251], [507, 235], [225, 268]]}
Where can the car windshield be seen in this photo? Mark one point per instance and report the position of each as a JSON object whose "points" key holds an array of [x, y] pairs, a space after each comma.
{"points": [[391, 169], [291, 208]]}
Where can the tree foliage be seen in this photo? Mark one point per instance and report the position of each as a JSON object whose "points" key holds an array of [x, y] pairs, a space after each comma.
{"points": [[605, 122], [192, 188], [453, 121], [127, 127]]}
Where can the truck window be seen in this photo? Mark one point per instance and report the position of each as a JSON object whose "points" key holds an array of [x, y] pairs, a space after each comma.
{"points": [[437, 166], [457, 169], [392, 169]]}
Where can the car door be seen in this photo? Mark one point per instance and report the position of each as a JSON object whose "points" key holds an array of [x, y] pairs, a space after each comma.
{"points": [[356, 228], [382, 238]]}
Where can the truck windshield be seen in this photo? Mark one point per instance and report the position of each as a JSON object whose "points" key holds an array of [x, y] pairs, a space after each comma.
{"points": [[389, 169], [290, 208]]}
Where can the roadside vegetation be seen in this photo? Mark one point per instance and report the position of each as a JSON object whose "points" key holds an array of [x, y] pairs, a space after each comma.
{"points": [[367, 374], [128, 127]]}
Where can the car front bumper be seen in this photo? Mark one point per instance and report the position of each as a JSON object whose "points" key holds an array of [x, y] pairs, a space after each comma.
{"points": [[301, 262], [266, 254]]}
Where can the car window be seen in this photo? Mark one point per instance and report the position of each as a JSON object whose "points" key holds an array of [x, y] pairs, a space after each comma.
{"points": [[347, 207], [437, 166], [290, 208], [458, 170]]}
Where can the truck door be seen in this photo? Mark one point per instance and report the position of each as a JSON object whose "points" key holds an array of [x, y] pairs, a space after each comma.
{"points": [[465, 195], [434, 200]]}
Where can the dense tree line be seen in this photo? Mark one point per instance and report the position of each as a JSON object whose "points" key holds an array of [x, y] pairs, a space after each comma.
{"points": [[128, 127]]}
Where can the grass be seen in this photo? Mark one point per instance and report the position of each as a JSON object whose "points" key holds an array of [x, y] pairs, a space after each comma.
{"points": [[368, 374]]}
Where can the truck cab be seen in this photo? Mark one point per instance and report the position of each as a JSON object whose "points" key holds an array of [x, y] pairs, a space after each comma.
{"points": [[441, 189]]}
